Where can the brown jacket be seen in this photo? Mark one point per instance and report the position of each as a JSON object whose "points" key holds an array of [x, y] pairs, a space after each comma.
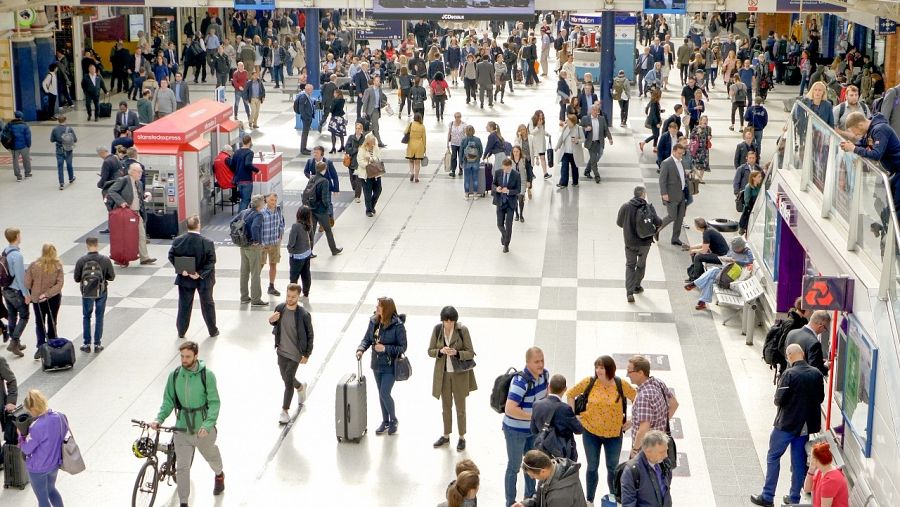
{"points": [[40, 282], [462, 342]]}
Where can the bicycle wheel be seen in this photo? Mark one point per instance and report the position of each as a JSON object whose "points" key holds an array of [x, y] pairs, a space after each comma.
{"points": [[145, 486]]}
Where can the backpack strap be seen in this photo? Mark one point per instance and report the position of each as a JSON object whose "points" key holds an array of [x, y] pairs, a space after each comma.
{"points": [[624, 400]]}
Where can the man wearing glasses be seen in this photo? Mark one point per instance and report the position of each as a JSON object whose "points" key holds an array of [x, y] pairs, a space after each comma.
{"points": [[653, 406]]}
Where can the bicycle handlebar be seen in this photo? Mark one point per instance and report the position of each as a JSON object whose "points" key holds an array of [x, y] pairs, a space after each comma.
{"points": [[146, 425]]}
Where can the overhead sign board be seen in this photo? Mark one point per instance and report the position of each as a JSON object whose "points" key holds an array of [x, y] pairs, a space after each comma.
{"points": [[828, 293], [383, 29], [885, 26], [454, 10], [807, 6]]}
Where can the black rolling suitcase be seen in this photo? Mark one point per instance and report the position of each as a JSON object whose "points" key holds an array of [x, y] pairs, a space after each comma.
{"points": [[792, 75], [104, 110], [15, 475], [57, 354], [162, 224]]}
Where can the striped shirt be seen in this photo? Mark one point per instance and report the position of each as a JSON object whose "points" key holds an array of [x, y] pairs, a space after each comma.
{"points": [[525, 397]]}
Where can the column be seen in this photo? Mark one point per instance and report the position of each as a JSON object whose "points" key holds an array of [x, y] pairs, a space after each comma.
{"points": [[26, 81], [312, 47], [891, 60], [77, 51], [607, 60], [829, 36]]}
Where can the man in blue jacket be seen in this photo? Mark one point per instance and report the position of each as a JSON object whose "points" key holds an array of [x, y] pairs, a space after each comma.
{"points": [[242, 168], [21, 145], [15, 293], [647, 478], [561, 418], [318, 155], [878, 142], [757, 117]]}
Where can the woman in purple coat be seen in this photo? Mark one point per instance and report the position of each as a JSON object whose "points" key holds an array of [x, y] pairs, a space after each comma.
{"points": [[42, 446]]}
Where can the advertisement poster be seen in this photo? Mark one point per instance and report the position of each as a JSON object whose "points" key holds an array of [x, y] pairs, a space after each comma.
{"points": [[857, 364], [383, 29], [846, 182], [821, 144], [454, 10], [254, 5], [665, 6], [806, 6]]}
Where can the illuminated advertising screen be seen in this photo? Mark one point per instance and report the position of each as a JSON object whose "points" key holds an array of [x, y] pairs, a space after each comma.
{"points": [[454, 10], [253, 5], [665, 6]]}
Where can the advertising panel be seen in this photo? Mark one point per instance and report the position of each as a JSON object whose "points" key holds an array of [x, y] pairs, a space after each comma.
{"points": [[254, 5], [454, 10], [807, 6], [665, 6], [383, 29]]}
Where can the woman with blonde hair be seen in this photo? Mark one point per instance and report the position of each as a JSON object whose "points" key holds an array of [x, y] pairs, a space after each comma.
{"points": [[728, 67], [367, 154], [522, 163], [815, 100], [42, 446], [44, 280]]}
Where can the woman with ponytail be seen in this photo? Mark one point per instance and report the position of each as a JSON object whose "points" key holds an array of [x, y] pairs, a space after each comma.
{"points": [[462, 493]]}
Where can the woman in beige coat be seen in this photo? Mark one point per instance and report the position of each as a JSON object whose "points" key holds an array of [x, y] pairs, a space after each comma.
{"points": [[44, 280], [451, 346]]}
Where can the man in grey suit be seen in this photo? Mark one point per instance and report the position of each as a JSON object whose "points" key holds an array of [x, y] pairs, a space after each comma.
{"points": [[372, 101], [807, 337], [484, 78], [128, 192], [181, 90], [596, 132], [672, 184]]}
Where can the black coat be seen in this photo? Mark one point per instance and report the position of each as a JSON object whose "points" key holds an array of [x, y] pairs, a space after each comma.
{"points": [[303, 321], [392, 336], [565, 424], [91, 90], [812, 349], [628, 218], [799, 397], [203, 251]]}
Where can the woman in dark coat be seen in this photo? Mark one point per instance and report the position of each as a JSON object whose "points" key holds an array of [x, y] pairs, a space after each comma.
{"points": [[387, 337], [351, 148]]}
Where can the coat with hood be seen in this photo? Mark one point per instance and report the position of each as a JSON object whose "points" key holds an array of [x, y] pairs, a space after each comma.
{"points": [[200, 406], [880, 144], [627, 220], [21, 133], [562, 489], [392, 336]]}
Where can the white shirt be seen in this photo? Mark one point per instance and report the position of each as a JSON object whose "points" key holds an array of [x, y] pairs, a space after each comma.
{"points": [[595, 128], [680, 170]]}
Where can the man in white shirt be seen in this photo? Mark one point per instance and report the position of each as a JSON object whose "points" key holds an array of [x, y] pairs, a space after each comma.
{"points": [[672, 186]]}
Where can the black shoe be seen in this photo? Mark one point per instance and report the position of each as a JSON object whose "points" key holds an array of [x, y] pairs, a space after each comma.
{"points": [[441, 442], [561, 186], [98, 349], [392, 428], [273, 291], [337, 252], [505, 248], [461, 445], [85, 348], [370, 214], [382, 145], [677, 242], [630, 298], [638, 289], [548, 176], [149, 260], [214, 334], [259, 303], [587, 174], [312, 256], [37, 354], [758, 500], [181, 336], [104, 231], [305, 152], [597, 179]]}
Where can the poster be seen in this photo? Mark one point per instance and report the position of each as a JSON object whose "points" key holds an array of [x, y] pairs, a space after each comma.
{"points": [[665, 6], [846, 182], [806, 6], [135, 25], [454, 10], [821, 144], [770, 238], [857, 364]]}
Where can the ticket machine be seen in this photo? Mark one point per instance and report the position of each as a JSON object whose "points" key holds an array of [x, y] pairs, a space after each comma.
{"points": [[177, 152]]}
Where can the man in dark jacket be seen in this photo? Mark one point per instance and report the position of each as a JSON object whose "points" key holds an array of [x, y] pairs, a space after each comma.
{"points": [[800, 393], [558, 482], [293, 344], [93, 272], [92, 85], [9, 393], [322, 209], [807, 337], [507, 187], [21, 145], [304, 107], [667, 140], [242, 168], [877, 141], [647, 478], [636, 246], [128, 192], [194, 246], [560, 416]]}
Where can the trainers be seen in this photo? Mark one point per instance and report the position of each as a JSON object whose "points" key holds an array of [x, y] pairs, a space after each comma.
{"points": [[85, 348], [98, 349], [148, 260], [37, 354], [382, 428], [14, 348], [392, 428], [284, 418], [301, 393], [219, 486], [273, 291], [245, 301], [441, 441], [259, 303]]}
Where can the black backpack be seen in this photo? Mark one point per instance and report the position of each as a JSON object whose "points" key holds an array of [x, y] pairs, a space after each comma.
{"points": [[6, 137], [558, 44], [238, 228], [644, 225], [310, 197], [617, 477], [6, 276], [92, 280], [500, 392], [549, 442]]}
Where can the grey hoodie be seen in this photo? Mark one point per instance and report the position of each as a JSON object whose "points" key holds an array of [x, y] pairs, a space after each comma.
{"points": [[562, 489]]}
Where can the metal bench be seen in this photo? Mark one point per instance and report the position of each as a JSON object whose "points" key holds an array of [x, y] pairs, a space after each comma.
{"points": [[742, 298]]}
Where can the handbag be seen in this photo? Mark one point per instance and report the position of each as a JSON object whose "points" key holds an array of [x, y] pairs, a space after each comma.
{"points": [[375, 169], [461, 365], [72, 462], [405, 139], [348, 160], [581, 400], [447, 160], [402, 368], [424, 162]]}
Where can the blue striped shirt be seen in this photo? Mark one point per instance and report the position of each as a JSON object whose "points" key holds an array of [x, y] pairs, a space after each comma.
{"points": [[525, 398]]}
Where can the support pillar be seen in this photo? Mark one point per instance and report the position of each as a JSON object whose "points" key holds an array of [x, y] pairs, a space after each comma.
{"points": [[77, 52], [607, 61], [312, 48], [829, 35], [26, 82], [891, 60]]}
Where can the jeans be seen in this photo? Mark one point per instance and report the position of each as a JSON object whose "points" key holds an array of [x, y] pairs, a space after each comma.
{"points": [[654, 135], [238, 98], [300, 270], [64, 158], [385, 382], [623, 109], [737, 106], [278, 75], [46, 313], [778, 444], [470, 182], [757, 140], [592, 445], [246, 192], [98, 308], [44, 487], [706, 282], [18, 313], [567, 163], [713, 72], [25, 153], [517, 444], [804, 81], [288, 369], [371, 193]]}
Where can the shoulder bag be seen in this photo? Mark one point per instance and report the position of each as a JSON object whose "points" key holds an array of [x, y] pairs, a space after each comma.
{"points": [[581, 400], [402, 368], [461, 365], [374, 169], [72, 462]]}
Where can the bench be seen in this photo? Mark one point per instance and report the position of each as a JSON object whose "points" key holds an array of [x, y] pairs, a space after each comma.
{"points": [[742, 298]]}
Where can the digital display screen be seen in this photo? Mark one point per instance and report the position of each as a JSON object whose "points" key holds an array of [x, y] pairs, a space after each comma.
{"points": [[665, 6], [454, 10], [253, 5]]}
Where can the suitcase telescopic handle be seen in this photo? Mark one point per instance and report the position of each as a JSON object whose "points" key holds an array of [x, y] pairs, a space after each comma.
{"points": [[359, 369]]}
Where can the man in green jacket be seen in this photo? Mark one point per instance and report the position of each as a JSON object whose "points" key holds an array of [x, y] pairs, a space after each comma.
{"points": [[191, 391]]}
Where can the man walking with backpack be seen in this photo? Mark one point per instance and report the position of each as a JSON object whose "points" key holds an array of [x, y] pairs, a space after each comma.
{"points": [[15, 293], [246, 229], [317, 195], [192, 246], [292, 327], [64, 138], [193, 394], [16, 137], [639, 221], [93, 271]]}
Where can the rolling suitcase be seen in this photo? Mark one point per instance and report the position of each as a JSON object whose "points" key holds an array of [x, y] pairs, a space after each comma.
{"points": [[162, 224], [485, 178], [104, 110], [14, 473], [58, 353], [123, 235], [350, 406]]}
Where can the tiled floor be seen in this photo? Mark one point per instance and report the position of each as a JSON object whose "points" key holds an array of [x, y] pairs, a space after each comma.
{"points": [[560, 287]]}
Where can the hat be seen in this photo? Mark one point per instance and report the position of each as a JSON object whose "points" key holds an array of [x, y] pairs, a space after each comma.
{"points": [[738, 243], [18, 115]]}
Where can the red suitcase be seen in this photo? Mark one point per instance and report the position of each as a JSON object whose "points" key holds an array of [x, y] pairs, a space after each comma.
{"points": [[123, 235]]}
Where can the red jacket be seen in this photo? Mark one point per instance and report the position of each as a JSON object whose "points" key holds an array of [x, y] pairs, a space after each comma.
{"points": [[239, 79], [222, 171]]}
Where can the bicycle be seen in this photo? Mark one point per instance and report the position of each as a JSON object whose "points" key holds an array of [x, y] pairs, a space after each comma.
{"points": [[152, 472]]}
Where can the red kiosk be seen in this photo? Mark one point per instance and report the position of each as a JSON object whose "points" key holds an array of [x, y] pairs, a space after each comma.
{"points": [[177, 152]]}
